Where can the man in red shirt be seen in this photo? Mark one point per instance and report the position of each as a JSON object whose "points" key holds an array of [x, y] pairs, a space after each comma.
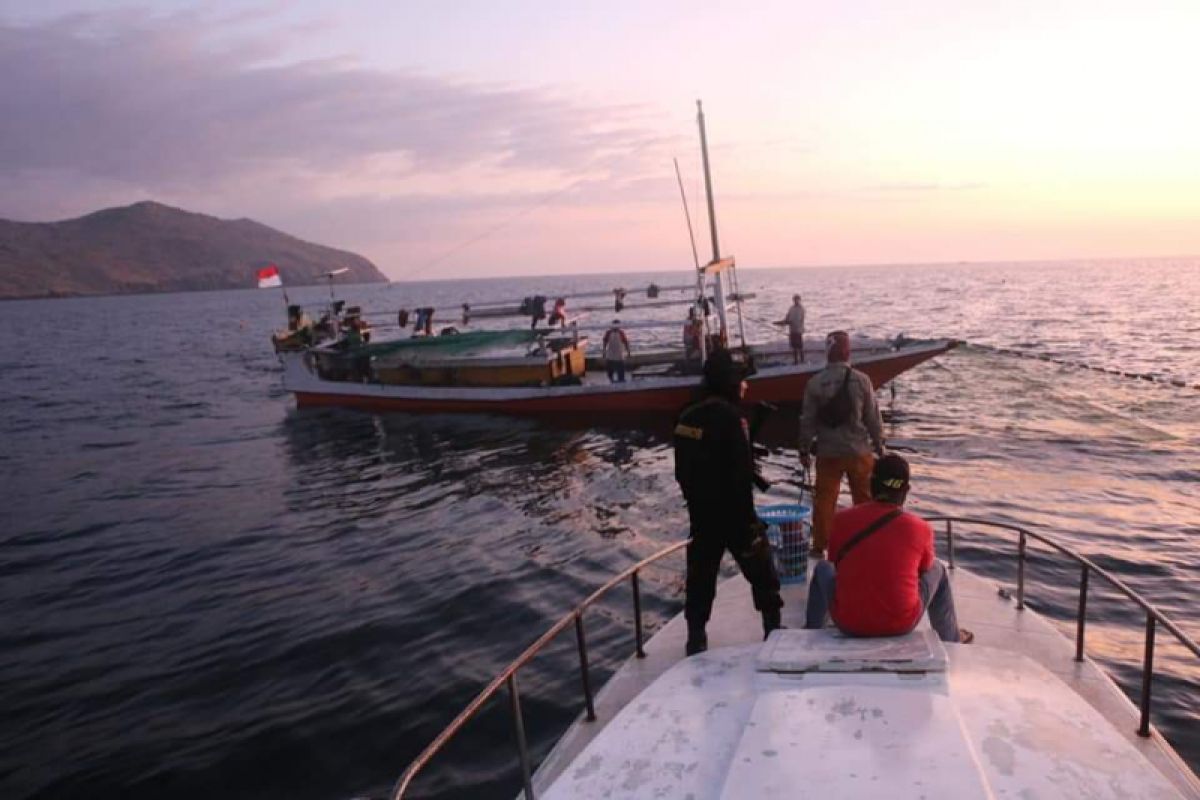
{"points": [[881, 574]]}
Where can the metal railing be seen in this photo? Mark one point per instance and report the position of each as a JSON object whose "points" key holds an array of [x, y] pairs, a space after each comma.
{"points": [[1154, 617], [508, 677]]}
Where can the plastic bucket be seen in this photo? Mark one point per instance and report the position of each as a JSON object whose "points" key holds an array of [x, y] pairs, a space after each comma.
{"points": [[789, 532]]}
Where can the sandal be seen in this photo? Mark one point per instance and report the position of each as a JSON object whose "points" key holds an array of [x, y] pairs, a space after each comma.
{"points": [[965, 636]]}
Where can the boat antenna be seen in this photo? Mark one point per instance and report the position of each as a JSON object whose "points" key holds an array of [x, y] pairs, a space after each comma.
{"points": [[330, 275]]}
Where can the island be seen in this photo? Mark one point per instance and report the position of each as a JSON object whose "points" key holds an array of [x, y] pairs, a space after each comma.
{"points": [[151, 247]]}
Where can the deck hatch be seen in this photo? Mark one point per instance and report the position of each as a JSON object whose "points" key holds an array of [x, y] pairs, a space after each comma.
{"points": [[827, 650]]}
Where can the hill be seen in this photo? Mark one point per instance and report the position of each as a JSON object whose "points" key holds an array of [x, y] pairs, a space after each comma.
{"points": [[150, 247]]}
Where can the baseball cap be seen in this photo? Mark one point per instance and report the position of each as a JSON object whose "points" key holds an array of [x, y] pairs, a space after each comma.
{"points": [[721, 372], [891, 473], [837, 346]]}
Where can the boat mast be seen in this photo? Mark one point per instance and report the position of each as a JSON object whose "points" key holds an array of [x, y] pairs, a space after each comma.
{"points": [[712, 214], [718, 280]]}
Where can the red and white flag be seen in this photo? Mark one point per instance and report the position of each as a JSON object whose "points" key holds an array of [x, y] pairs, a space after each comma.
{"points": [[268, 277]]}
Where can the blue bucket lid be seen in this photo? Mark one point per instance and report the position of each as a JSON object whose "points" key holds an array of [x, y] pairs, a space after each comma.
{"points": [[795, 512]]}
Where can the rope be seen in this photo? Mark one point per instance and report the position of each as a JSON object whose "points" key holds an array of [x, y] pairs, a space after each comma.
{"points": [[1120, 373]]}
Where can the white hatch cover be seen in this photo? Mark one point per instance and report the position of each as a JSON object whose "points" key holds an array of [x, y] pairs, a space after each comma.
{"points": [[827, 650], [902, 740]]}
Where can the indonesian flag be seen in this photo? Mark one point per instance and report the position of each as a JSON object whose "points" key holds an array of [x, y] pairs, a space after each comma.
{"points": [[268, 277]]}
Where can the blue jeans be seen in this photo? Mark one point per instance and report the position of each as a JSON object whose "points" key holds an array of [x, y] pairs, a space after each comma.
{"points": [[933, 585], [616, 368]]}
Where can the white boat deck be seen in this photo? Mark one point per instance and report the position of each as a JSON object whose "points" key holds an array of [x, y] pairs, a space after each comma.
{"points": [[983, 758]]}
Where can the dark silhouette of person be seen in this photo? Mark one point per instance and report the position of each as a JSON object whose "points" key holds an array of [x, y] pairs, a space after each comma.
{"points": [[714, 466]]}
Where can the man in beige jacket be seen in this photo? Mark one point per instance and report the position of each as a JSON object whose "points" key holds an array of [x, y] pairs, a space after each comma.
{"points": [[841, 414]]}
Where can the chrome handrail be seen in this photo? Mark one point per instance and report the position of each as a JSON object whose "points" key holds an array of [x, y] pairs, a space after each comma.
{"points": [[508, 676], [1154, 617]]}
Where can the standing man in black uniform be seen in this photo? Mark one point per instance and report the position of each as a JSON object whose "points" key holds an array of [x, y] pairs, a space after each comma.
{"points": [[714, 466]]}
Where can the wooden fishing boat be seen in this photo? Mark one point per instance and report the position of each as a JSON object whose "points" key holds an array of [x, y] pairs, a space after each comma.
{"points": [[454, 385], [554, 376]]}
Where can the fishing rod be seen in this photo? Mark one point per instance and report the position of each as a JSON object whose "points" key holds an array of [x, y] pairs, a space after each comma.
{"points": [[652, 288], [475, 313], [517, 307]]}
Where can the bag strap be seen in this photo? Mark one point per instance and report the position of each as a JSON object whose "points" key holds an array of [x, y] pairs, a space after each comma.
{"points": [[857, 538], [841, 389]]}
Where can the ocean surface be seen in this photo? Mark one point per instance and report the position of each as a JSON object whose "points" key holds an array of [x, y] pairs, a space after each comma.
{"points": [[206, 592]]}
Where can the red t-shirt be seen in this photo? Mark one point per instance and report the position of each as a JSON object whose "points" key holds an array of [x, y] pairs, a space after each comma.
{"points": [[876, 590]]}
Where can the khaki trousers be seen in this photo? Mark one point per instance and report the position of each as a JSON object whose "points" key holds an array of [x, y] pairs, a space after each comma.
{"points": [[830, 470]]}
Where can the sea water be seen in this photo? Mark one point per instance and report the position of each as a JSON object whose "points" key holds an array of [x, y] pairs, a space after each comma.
{"points": [[207, 592]]}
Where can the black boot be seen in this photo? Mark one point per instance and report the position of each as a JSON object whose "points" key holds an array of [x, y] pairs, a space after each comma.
{"points": [[697, 641], [771, 621]]}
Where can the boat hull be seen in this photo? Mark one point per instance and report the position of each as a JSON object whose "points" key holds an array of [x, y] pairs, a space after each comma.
{"points": [[781, 385]]}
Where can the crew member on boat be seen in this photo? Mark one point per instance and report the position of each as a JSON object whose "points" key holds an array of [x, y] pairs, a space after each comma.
{"points": [[326, 327], [616, 350], [693, 333], [794, 320], [559, 315], [841, 415], [882, 574], [300, 331], [358, 330], [714, 466], [297, 319]]}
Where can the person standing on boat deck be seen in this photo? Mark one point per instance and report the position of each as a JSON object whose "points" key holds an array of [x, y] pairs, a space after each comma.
{"points": [[795, 325], [616, 350], [559, 315], [714, 466], [841, 414], [693, 332], [882, 574]]}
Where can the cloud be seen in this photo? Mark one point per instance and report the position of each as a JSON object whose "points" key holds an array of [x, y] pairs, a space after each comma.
{"points": [[190, 109]]}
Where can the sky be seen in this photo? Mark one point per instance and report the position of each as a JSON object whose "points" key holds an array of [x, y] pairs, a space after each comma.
{"points": [[462, 138]]}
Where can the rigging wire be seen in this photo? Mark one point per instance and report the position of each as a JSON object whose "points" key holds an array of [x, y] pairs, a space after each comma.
{"points": [[704, 325], [687, 215]]}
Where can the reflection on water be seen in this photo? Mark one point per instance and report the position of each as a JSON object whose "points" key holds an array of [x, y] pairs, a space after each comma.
{"points": [[209, 592]]}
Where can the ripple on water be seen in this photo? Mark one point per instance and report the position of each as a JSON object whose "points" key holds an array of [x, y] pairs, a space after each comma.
{"points": [[209, 593]]}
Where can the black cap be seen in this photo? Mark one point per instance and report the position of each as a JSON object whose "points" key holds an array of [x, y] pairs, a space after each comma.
{"points": [[719, 367], [890, 474]]}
